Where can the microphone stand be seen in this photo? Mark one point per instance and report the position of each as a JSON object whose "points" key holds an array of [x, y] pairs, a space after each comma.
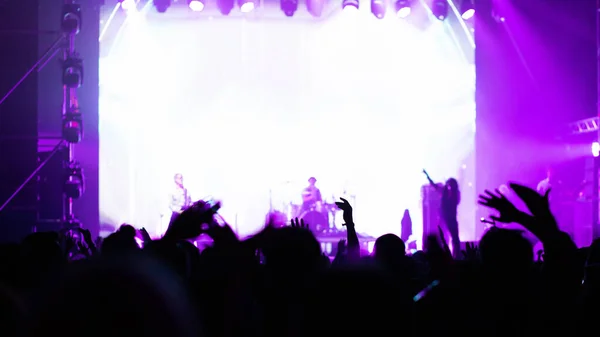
{"points": [[270, 200]]}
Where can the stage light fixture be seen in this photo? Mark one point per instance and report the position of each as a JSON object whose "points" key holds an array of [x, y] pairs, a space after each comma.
{"points": [[467, 9], [72, 72], [128, 4], [162, 5], [246, 6], [196, 5], [439, 9], [225, 6], [71, 19], [72, 127], [595, 149], [289, 7], [74, 185], [350, 4], [315, 7], [378, 8], [402, 8]]}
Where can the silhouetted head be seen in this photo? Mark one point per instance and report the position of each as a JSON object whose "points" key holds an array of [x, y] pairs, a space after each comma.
{"points": [[451, 190], [451, 184], [128, 230], [119, 243], [389, 247], [293, 249], [506, 251], [178, 179], [312, 181]]}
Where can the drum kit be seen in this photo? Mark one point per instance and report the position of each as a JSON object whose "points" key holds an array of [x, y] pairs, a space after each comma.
{"points": [[322, 217]]}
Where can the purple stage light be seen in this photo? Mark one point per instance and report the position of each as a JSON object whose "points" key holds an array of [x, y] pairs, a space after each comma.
{"points": [[196, 5], [467, 8], [439, 9], [468, 14], [289, 7], [162, 5], [353, 4], [315, 7], [225, 6], [128, 4], [246, 6], [378, 8], [402, 8], [404, 12], [596, 149]]}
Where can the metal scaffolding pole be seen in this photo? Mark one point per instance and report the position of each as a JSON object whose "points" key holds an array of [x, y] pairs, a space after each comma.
{"points": [[596, 180], [72, 125]]}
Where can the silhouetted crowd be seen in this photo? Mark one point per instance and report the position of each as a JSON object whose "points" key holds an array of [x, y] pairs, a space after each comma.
{"points": [[278, 283]]}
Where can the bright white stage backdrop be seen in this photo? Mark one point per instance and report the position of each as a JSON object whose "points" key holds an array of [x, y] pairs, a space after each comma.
{"points": [[247, 111]]}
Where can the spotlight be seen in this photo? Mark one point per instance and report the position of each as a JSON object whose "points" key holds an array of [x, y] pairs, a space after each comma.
{"points": [[378, 8], [196, 5], [246, 6], [595, 149], [289, 7], [350, 4], [71, 19], [72, 72], [467, 9], [128, 4], [225, 6], [72, 127], [439, 8], [162, 5], [402, 8], [315, 7], [74, 185]]}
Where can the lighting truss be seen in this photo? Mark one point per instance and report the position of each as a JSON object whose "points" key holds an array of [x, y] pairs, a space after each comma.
{"points": [[584, 126]]}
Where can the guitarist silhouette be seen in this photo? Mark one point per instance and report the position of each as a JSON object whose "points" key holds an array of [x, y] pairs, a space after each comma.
{"points": [[180, 198]]}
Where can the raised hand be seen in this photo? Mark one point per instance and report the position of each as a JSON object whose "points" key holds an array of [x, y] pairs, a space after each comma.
{"points": [[445, 246], [508, 213], [87, 237], [471, 252], [145, 236], [341, 246], [537, 204], [543, 222], [190, 223], [298, 223], [345, 206], [220, 231]]}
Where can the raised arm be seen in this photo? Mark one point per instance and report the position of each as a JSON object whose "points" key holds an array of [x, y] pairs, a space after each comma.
{"points": [[351, 236], [431, 182]]}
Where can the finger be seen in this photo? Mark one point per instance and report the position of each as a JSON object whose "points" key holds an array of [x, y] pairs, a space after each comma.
{"points": [[484, 198], [496, 218], [500, 193], [490, 194], [344, 200]]}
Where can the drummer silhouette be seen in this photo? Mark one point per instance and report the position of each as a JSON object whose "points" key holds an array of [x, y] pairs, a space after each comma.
{"points": [[312, 207], [311, 197]]}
